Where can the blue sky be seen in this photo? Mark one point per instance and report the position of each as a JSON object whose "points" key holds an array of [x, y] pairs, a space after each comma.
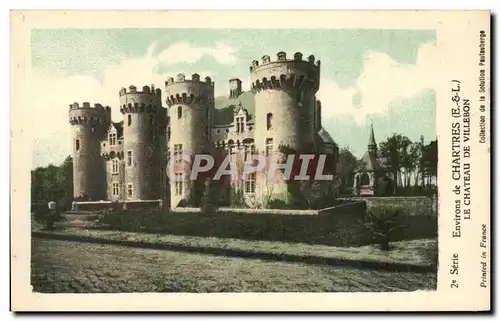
{"points": [[379, 76]]}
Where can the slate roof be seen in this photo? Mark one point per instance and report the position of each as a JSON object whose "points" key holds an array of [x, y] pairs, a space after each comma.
{"points": [[326, 137], [224, 108], [119, 128]]}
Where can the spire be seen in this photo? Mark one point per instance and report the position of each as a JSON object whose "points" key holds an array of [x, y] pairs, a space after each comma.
{"points": [[372, 145]]}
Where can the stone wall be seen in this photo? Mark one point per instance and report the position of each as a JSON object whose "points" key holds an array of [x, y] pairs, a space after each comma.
{"points": [[413, 205], [122, 205]]}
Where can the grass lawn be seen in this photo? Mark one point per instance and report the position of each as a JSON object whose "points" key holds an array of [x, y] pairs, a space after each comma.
{"points": [[415, 252], [61, 266]]}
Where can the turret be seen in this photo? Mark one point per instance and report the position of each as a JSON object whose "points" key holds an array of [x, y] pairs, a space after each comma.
{"points": [[285, 106], [285, 92], [143, 117], [190, 103], [88, 127]]}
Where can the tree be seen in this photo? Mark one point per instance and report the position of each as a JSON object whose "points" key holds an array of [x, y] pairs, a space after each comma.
{"points": [[430, 158], [346, 167], [413, 162], [395, 149], [53, 183]]}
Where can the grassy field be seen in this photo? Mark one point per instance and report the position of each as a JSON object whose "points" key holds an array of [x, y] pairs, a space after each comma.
{"points": [[60, 266], [334, 230]]}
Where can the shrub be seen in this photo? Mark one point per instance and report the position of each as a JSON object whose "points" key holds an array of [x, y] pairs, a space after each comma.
{"points": [[237, 199], [383, 224], [209, 199], [48, 218]]}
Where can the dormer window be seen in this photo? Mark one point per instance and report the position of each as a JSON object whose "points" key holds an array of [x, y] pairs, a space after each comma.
{"points": [[240, 124], [112, 139]]}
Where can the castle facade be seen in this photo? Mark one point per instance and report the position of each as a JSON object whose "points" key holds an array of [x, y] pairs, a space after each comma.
{"points": [[127, 160]]}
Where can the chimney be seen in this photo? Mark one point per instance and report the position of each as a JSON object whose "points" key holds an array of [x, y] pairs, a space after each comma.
{"points": [[318, 116], [234, 88]]}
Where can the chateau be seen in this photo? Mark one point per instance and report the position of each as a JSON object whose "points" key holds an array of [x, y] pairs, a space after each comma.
{"points": [[127, 161]]}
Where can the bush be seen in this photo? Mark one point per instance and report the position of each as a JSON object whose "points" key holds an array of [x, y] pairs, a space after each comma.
{"points": [[383, 223], [48, 218], [210, 197], [237, 199]]}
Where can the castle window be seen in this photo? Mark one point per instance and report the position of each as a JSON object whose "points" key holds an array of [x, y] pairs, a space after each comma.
{"points": [[93, 131], [129, 158], [178, 152], [130, 190], [116, 189], [240, 124], [269, 146], [250, 184], [179, 184], [129, 120], [269, 120], [114, 166], [249, 151], [151, 119], [112, 139], [168, 132], [77, 144], [179, 112]]}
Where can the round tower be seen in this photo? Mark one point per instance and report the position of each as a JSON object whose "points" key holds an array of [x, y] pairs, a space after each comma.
{"points": [[141, 112], [190, 102], [285, 97], [88, 127]]}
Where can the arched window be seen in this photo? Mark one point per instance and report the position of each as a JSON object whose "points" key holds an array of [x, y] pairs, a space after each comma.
{"points": [[365, 179], [179, 112], [129, 120], [269, 120]]}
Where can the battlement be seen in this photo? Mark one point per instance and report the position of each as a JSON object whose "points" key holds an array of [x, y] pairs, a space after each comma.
{"points": [[146, 90], [132, 100], [287, 74], [96, 114], [189, 91], [282, 58], [96, 106]]}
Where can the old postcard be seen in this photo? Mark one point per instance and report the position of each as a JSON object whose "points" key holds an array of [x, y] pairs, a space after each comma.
{"points": [[250, 161]]}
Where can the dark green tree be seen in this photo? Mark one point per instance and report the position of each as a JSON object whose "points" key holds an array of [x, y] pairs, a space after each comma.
{"points": [[346, 167], [396, 150]]}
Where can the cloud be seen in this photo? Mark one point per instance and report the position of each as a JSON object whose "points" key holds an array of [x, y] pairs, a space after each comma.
{"points": [[183, 52], [54, 92], [382, 81]]}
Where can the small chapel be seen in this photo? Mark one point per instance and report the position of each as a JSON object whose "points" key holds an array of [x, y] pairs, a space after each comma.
{"points": [[372, 176]]}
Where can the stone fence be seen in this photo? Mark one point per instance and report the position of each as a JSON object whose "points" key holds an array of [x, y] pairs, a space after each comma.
{"points": [[124, 205], [348, 207], [413, 205]]}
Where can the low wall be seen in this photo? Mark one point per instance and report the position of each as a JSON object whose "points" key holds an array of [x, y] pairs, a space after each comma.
{"points": [[413, 205], [101, 205], [249, 211], [348, 208]]}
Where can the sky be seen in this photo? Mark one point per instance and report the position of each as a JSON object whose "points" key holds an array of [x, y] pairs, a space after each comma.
{"points": [[382, 77]]}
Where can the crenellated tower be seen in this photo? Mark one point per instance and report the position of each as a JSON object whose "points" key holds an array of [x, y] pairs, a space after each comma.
{"points": [[143, 119], [285, 98], [190, 103], [88, 126]]}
